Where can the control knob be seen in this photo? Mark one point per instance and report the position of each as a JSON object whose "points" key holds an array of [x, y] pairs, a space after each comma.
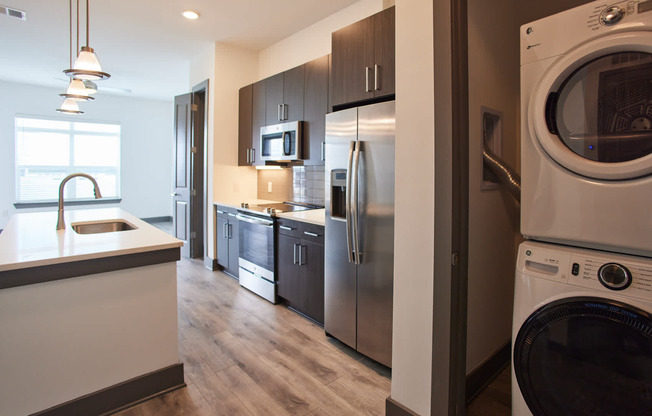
{"points": [[614, 276], [612, 15]]}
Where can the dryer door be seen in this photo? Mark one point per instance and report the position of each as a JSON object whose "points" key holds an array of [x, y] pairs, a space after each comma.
{"points": [[592, 111], [585, 356]]}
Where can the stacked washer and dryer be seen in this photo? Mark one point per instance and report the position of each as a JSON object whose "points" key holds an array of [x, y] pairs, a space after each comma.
{"points": [[582, 325]]}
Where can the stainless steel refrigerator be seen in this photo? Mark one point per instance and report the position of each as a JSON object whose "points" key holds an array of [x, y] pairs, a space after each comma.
{"points": [[359, 235]]}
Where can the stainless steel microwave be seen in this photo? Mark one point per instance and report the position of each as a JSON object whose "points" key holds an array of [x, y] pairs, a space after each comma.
{"points": [[281, 141]]}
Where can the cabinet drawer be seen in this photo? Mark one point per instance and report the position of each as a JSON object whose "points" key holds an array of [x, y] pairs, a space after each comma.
{"points": [[290, 228], [313, 233]]}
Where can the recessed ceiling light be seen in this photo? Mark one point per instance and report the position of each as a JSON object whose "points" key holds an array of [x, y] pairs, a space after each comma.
{"points": [[189, 14]]}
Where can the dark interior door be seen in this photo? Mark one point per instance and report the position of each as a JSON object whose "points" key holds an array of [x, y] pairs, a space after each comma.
{"points": [[182, 149]]}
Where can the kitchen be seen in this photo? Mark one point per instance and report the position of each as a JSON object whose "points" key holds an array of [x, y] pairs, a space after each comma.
{"points": [[415, 363]]}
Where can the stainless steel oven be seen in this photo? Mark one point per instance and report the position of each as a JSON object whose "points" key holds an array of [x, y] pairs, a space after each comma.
{"points": [[257, 248]]}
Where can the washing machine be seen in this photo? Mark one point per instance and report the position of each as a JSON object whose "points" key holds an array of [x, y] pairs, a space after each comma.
{"points": [[582, 333], [586, 127]]}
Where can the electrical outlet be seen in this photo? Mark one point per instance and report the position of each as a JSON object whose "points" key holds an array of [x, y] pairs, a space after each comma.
{"points": [[269, 187]]}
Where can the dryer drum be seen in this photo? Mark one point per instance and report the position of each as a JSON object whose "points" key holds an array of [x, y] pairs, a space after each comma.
{"points": [[603, 110], [585, 356]]}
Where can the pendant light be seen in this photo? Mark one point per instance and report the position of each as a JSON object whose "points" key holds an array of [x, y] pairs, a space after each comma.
{"points": [[87, 65], [76, 90], [69, 106]]}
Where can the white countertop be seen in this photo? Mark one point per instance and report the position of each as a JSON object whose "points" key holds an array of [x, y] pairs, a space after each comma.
{"points": [[312, 216], [31, 239]]}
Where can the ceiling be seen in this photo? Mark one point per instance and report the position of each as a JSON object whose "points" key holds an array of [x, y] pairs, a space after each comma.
{"points": [[146, 45]]}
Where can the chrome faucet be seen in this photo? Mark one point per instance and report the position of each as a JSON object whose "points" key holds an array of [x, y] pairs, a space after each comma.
{"points": [[60, 222]]}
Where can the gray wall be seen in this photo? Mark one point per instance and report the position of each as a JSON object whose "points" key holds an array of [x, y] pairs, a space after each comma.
{"points": [[146, 148]]}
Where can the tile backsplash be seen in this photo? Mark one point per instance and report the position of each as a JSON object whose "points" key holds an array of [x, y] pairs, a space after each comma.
{"points": [[308, 184], [298, 183]]}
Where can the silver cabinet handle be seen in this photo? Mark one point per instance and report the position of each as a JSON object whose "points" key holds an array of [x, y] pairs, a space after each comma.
{"points": [[285, 112], [366, 79], [294, 261], [376, 78], [323, 151], [219, 211], [248, 156], [253, 155], [225, 232], [311, 234], [283, 227], [301, 262], [279, 116], [230, 228]]}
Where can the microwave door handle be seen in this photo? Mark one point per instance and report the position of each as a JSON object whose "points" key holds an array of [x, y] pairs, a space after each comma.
{"points": [[349, 219], [356, 207]]}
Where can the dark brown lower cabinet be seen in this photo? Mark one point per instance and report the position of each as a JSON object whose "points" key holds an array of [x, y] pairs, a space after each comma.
{"points": [[227, 241], [301, 267]]}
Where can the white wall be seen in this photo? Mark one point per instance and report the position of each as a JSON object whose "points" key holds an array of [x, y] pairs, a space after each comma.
{"points": [[146, 146], [314, 41], [415, 206]]}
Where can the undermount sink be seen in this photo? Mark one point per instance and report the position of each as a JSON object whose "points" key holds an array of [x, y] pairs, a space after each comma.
{"points": [[104, 226]]}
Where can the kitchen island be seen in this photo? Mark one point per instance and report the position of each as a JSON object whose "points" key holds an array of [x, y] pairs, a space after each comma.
{"points": [[88, 322]]}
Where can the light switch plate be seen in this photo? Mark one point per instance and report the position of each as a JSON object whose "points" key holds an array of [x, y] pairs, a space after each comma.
{"points": [[269, 186]]}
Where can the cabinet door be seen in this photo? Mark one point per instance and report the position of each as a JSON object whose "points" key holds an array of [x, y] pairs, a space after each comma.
{"points": [[288, 269], [312, 280], [274, 99], [315, 107], [222, 242], [245, 110], [234, 245], [353, 62], [293, 90], [384, 47], [259, 93]]}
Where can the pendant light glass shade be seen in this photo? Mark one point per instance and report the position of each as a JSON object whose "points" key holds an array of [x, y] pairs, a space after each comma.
{"points": [[69, 106], [77, 91], [87, 66]]}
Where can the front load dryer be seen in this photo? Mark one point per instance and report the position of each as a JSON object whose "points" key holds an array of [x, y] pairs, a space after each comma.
{"points": [[582, 333], [586, 127]]}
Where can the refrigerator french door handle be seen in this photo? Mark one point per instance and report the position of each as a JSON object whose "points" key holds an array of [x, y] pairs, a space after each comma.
{"points": [[349, 213], [354, 197]]}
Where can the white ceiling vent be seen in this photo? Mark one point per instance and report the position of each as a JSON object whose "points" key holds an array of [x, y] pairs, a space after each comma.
{"points": [[18, 14]]}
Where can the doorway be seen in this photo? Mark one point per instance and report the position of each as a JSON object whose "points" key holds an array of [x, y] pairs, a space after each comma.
{"points": [[189, 193]]}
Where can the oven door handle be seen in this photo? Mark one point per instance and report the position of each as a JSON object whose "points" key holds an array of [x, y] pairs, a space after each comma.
{"points": [[253, 220]]}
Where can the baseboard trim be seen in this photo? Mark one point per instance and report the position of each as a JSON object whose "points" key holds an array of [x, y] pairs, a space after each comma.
{"points": [[484, 374], [152, 220], [123, 395], [394, 408], [211, 264]]}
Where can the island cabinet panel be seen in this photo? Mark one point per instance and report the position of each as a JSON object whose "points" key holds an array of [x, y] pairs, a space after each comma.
{"points": [[315, 107], [301, 267], [227, 243], [245, 127], [363, 60]]}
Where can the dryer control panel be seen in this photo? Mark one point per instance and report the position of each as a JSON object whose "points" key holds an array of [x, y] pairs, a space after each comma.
{"points": [[599, 270]]}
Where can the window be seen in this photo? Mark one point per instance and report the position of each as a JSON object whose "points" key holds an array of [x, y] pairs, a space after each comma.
{"points": [[47, 150]]}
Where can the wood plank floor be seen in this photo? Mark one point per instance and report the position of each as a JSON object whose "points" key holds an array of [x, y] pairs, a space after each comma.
{"points": [[244, 356]]}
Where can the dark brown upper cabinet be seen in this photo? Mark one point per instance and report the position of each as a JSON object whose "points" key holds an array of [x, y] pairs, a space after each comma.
{"points": [[245, 108], [284, 99], [363, 60], [315, 107]]}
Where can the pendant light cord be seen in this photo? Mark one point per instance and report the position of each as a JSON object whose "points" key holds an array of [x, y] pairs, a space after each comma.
{"points": [[70, 22], [87, 25], [77, 30]]}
